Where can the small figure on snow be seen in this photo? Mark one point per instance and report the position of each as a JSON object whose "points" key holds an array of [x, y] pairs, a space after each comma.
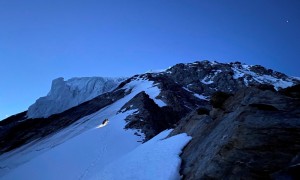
{"points": [[104, 123]]}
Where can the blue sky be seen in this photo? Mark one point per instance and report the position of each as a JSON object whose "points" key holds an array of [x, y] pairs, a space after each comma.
{"points": [[43, 40]]}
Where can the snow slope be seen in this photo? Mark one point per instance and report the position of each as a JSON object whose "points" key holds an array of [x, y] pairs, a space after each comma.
{"points": [[156, 159], [66, 94], [81, 149], [81, 156]]}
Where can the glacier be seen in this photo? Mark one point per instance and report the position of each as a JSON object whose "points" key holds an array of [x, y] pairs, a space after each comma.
{"points": [[67, 94]]}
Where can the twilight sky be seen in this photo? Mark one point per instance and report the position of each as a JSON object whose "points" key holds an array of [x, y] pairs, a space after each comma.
{"points": [[43, 40]]}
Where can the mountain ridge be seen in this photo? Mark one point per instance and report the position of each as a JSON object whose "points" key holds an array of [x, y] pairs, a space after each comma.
{"points": [[152, 102]]}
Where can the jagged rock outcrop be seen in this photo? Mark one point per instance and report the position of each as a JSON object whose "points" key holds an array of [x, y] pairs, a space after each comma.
{"points": [[148, 117], [67, 94], [206, 77], [254, 135]]}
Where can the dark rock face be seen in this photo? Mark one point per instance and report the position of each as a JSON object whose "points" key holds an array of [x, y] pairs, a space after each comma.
{"points": [[292, 172], [265, 87], [150, 119], [255, 136], [205, 77], [218, 98], [202, 111], [12, 120], [293, 91], [264, 107]]}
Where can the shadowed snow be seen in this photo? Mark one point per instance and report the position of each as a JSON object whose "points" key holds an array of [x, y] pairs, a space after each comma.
{"points": [[156, 159]]}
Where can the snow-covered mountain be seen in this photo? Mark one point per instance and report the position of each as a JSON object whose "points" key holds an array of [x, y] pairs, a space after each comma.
{"points": [[89, 146], [67, 94], [212, 75], [214, 103]]}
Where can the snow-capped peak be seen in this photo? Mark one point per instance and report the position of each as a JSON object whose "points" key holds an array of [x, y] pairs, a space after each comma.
{"points": [[261, 75], [67, 94]]}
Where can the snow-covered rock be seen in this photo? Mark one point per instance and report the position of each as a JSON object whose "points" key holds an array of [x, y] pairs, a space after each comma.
{"points": [[67, 94], [259, 74], [143, 84], [206, 77]]}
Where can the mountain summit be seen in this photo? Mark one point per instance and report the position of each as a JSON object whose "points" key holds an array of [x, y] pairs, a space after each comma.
{"points": [[232, 119], [67, 94]]}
